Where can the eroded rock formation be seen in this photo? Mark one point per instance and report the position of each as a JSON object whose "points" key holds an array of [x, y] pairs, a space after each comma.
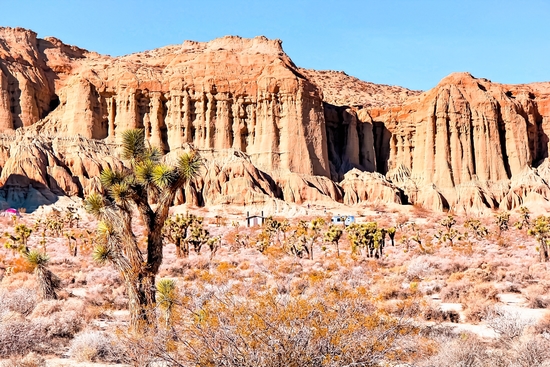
{"points": [[269, 131], [475, 141]]}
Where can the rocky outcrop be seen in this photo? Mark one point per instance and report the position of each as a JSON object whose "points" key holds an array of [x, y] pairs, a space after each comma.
{"points": [[268, 129], [37, 170], [368, 187], [340, 89], [244, 94], [467, 137]]}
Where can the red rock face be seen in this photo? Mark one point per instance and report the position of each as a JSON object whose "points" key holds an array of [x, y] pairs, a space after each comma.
{"points": [[230, 93], [268, 128], [466, 137]]}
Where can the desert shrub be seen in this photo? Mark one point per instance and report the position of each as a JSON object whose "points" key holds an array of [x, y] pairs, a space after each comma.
{"points": [[431, 287], [393, 289], [477, 310], [511, 287], [537, 296], [543, 326], [418, 268], [22, 300], [269, 329], [508, 325], [478, 302], [64, 324], [21, 337], [450, 266], [104, 276], [466, 351], [93, 346], [46, 308], [454, 292], [434, 313], [533, 352]]}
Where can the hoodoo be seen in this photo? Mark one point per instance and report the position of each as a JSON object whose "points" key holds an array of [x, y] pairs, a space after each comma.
{"points": [[268, 129]]}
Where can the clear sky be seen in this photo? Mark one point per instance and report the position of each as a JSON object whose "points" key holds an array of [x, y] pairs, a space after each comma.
{"points": [[412, 43]]}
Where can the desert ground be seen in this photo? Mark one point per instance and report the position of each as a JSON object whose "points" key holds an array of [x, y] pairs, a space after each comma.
{"points": [[452, 290]]}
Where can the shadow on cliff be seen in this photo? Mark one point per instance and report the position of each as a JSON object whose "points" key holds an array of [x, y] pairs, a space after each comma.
{"points": [[15, 97], [19, 191], [382, 137]]}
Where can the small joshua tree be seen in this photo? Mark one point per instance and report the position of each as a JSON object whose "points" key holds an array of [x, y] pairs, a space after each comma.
{"points": [[306, 235], [367, 236], [71, 243], [541, 231], [19, 240], [450, 232], [502, 221], [391, 233], [478, 229], [47, 281], [175, 230], [524, 218], [333, 235], [198, 235], [275, 228], [167, 297]]}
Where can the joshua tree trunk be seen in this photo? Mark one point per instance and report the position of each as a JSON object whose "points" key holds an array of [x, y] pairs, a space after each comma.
{"points": [[47, 282], [543, 251], [179, 252]]}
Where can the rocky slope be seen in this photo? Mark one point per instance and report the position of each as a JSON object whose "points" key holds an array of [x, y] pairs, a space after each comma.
{"points": [[269, 131], [469, 140], [340, 89]]}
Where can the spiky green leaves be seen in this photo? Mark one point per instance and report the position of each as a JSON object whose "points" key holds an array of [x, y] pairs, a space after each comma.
{"points": [[163, 176], [189, 165], [36, 258], [108, 177], [94, 203], [121, 193], [166, 289], [133, 144], [102, 254]]}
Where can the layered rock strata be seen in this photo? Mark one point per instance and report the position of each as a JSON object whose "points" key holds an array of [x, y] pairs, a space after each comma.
{"points": [[268, 129], [475, 142], [244, 94]]}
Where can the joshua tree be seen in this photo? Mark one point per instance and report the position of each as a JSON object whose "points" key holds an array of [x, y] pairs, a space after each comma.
{"points": [[478, 229], [274, 228], [20, 238], [368, 236], [175, 229], [450, 232], [524, 218], [333, 236], [198, 235], [71, 243], [306, 235], [391, 233], [47, 281], [502, 220], [145, 180], [167, 296], [541, 231]]}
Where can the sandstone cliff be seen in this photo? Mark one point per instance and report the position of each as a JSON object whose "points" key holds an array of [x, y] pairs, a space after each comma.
{"points": [[244, 94], [269, 131], [474, 141]]}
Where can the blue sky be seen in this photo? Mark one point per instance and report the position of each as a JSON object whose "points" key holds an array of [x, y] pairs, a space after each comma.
{"points": [[397, 42]]}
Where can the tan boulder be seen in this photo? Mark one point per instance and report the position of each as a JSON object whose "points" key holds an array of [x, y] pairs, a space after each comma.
{"points": [[368, 187]]}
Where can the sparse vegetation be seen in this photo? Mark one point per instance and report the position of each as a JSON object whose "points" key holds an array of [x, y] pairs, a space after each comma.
{"points": [[233, 295]]}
